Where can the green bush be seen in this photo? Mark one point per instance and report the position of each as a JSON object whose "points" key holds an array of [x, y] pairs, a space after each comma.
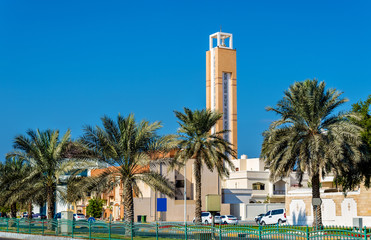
{"points": [[95, 208]]}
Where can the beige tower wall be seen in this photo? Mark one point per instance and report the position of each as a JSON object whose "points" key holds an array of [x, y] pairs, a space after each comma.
{"points": [[225, 61]]}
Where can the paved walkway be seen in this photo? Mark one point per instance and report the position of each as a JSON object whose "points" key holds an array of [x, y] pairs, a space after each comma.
{"points": [[7, 238]]}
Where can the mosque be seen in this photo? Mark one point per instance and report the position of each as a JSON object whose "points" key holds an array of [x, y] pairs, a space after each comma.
{"points": [[248, 191]]}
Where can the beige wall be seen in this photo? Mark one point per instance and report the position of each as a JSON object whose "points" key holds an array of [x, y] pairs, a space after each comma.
{"points": [[175, 208], [146, 205], [336, 207]]}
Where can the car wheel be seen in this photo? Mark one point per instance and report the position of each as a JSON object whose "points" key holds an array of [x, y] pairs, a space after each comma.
{"points": [[279, 221], [225, 223], [206, 222], [263, 223]]}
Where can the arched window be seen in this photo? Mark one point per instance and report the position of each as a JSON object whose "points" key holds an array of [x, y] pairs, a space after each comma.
{"points": [[258, 186]]}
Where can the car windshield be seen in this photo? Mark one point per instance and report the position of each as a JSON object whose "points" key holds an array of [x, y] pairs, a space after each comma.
{"points": [[268, 213], [230, 216], [204, 214], [80, 215]]}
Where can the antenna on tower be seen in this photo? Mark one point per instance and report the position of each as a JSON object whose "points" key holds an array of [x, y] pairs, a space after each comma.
{"points": [[220, 28]]}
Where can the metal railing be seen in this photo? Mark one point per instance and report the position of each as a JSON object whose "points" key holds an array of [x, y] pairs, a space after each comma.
{"points": [[176, 230], [279, 192]]}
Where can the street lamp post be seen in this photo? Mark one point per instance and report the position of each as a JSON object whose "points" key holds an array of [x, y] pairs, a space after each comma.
{"points": [[185, 193]]}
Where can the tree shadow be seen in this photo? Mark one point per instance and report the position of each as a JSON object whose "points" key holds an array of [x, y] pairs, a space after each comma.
{"points": [[299, 219]]}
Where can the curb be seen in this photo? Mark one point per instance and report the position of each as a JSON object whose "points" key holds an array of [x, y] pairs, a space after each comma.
{"points": [[33, 237]]}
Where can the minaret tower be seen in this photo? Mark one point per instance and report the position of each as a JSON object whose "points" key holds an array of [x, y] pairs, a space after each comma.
{"points": [[221, 83]]}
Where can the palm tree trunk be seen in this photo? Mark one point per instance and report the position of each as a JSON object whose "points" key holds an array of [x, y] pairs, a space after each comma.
{"points": [[128, 207], [128, 202], [197, 170], [317, 219], [13, 210], [29, 210], [50, 201]]}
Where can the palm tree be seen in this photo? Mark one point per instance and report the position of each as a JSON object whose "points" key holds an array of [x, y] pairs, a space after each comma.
{"points": [[130, 149], [309, 137], [196, 141], [45, 153], [12, 173], [16, 188]]}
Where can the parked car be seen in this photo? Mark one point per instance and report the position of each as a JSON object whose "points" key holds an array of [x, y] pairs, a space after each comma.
{"points": [[229, 219], [34, 215], [40, 216], [274, 217], [217, 220], [258, 218], [207, 218], [79, 217]]}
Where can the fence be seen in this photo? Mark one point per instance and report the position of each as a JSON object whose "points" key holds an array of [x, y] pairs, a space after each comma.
{"points": [[165, 230]]}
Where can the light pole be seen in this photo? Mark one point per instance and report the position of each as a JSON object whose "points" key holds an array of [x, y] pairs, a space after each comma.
{"points": [[185, 193]]}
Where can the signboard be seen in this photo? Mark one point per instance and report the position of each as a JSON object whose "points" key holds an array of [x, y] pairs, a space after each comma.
{"points": [[316, 201], [213, 202], [161, 204]]}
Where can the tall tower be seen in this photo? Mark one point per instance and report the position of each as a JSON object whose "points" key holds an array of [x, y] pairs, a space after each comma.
{"points": [[221, 83]]}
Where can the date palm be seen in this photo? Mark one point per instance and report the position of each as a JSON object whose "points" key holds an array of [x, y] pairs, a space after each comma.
{"points": [[310, 137], [131, 150], [45, 153], [12, 173], [196, 141]]}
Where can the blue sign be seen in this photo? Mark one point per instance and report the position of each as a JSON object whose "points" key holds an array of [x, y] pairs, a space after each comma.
{"points": [[161, 204]]}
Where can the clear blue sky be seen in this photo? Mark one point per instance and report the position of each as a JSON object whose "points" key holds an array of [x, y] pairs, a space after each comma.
{"points": [[64, 64]]}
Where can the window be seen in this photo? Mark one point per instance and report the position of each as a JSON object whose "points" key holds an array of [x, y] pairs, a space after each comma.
{"points": [[179, 183], [278, 211], [258, 186], [268, 213]]}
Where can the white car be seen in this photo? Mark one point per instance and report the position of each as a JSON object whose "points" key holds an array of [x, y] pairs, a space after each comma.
{"points": [[207, 218], [258, 217], [79, 217], [229, 219], [274, 217]]}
